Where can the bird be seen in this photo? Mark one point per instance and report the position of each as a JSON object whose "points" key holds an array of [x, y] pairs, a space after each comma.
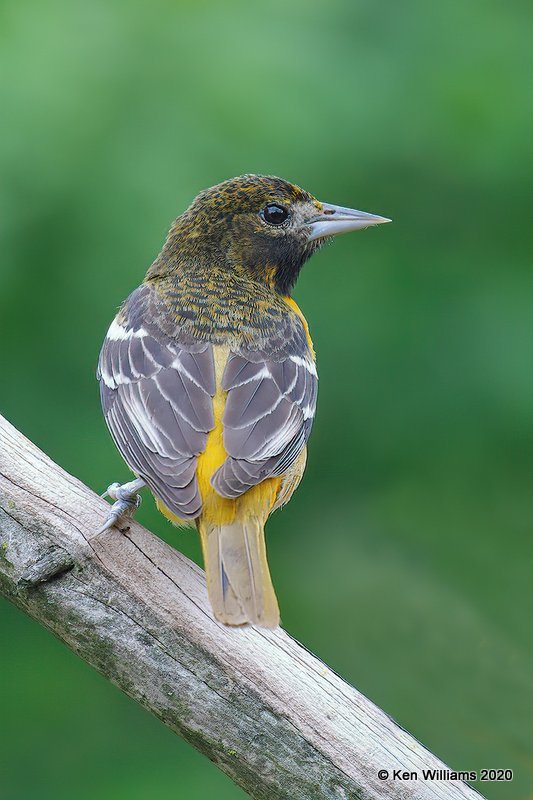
{"points": [[208, 378]]}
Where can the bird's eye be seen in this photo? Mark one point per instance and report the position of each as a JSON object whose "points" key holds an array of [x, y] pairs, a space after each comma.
{"points": [[274, 214]]}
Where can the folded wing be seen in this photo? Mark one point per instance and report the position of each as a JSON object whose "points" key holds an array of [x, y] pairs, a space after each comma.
{"points": [[267, 418], [157, 400]]}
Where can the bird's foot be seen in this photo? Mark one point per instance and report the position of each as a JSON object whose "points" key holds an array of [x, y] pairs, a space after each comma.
{"points": [[127, 501]]}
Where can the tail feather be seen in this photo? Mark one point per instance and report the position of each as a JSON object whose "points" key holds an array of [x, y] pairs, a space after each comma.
{"points": [[238, 579]]}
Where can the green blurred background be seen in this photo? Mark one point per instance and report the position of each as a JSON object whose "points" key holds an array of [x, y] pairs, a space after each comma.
{"points": [[405, 559]]}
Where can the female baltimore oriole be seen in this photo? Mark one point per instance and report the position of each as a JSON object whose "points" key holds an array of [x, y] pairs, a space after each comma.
{"points": [[208, 378]]}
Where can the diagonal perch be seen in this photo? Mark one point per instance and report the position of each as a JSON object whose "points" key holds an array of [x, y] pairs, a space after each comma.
{"points": [[265, 710]]}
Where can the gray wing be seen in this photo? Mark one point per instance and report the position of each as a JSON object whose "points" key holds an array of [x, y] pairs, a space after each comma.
{"points": [[267, 417], [157, 401]]}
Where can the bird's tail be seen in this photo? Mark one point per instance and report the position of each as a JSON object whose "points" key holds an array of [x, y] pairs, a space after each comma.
{"points": [[238, 579]]}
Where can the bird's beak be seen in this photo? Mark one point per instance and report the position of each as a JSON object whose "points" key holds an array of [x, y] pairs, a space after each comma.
{"points": [[333, 220]]}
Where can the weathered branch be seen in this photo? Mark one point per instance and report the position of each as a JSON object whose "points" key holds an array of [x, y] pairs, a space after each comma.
{"points": [[266, 711]]}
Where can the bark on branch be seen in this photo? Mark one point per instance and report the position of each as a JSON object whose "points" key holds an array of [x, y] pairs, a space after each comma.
{"points": [[265, 710]]}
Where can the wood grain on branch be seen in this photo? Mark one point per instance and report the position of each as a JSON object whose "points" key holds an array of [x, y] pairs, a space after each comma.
{"points": [[265, 710]]}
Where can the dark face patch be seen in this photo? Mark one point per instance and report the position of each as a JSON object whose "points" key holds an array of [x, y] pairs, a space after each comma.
{"points": [[253, 223]]}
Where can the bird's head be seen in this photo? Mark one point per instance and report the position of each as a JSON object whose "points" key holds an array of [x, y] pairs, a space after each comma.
{"points": [[261, 224]]}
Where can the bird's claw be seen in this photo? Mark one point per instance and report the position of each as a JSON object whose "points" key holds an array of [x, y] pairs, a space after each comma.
{"points": [[127, 501]]}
